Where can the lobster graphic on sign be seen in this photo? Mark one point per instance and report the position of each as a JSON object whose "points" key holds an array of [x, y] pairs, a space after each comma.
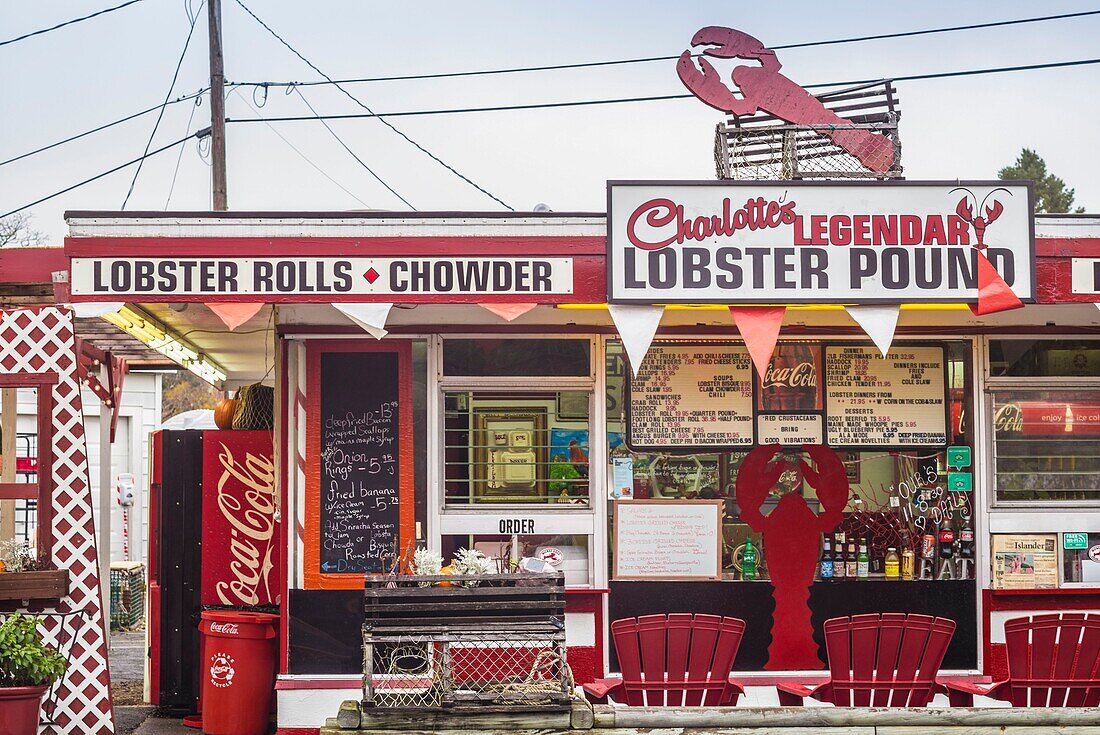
{"points": [[764, 88], [791, 534], [992, 212]]}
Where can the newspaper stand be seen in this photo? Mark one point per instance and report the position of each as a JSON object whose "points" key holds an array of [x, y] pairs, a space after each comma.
{"points": [[494, 647]]}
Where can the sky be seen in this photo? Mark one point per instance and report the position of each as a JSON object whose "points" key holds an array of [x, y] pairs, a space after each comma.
{"points": [[94, 72]]}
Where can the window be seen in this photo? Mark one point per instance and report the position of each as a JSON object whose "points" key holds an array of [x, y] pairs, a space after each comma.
{"points": [[1047, 445], [20, 487], [512, 357], [528, 447], [1044, 358], [1081, 563]]}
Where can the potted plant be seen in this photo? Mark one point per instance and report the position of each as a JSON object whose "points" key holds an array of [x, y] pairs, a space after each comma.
{"points": [[28, 667]]}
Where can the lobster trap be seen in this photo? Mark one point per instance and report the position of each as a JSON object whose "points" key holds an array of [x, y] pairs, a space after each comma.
{"points": [[764, 147], [127, 595], [499, 645]]}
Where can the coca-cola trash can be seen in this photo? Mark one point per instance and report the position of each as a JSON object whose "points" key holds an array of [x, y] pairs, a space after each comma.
{"points": [[238, 671]]}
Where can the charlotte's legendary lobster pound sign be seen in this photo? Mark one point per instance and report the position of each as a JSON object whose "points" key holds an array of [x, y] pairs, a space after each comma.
{"points": [[795, 242]]}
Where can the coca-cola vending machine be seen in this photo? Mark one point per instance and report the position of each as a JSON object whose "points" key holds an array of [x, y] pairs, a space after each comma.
{"points": [[213, 542]]}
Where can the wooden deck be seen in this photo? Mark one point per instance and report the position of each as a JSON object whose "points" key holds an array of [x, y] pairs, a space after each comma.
{"points": [[607, 720]]}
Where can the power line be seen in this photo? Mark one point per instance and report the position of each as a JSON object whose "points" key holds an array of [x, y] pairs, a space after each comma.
{"points": [[86, 133], [69, 22], [350, 151], [304, 157], [150, 154], [164, 105], [658, 98], [646, 59], [179, 158], [380, 118]]}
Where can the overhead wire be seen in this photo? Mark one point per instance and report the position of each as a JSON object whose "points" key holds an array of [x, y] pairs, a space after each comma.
{"points": [[658, 98], [164, 105], [179, 158], [352, 153], [150, 154], [380, 118], [304, 157], [646, 59], [70, 22]]}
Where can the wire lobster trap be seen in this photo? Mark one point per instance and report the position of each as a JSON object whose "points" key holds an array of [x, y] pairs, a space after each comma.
{"points": [[763, 147], [127, 595], [499, 645]]}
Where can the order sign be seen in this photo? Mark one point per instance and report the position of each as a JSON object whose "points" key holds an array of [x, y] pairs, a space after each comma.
{"points": [[692, 396], [893, 401]]}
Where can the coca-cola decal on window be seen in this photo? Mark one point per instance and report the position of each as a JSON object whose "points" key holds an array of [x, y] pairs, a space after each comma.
{"points": [[815, 242], [788, 396]]}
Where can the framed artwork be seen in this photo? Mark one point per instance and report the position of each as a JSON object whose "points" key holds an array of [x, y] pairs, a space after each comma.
{"points": [[510, 454], [572, 406]]}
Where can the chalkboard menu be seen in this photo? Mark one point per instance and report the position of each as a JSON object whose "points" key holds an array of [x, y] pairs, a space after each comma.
{"points": [[893, 401], [691, 396], [359, 462]]}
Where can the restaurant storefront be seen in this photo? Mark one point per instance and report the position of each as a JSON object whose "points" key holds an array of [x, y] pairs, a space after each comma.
{"points": [[496, 406]]}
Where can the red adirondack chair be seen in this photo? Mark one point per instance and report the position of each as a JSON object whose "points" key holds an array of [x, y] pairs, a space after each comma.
{"points": [[1053, 661], [678, 660], [879, 660]]}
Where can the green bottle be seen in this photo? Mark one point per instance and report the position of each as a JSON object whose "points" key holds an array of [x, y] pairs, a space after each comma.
{"points": [[748, 562], [863, 562]]}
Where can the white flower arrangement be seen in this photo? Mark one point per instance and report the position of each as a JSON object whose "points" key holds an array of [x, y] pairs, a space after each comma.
{"points": [[426, 562], [472, 562], [13, 554]]}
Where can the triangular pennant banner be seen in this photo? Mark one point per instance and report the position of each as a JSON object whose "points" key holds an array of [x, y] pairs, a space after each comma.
{"points": [[637, 323], [759, 327], [993, 293], [508, 312], [235, 314], [879, 322], [96, 308], [371, 317]]}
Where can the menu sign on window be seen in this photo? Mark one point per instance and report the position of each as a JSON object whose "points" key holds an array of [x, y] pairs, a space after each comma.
{"points": [[692, 396], [897, 400]]}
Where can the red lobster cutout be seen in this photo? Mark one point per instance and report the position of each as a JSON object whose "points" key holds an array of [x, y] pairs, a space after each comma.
{"points": [[980, 223], [791, 534], [764, 88]]}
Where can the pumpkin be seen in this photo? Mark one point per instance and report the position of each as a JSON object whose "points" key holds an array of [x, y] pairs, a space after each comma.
{"points": [[223, 413], [449, 569]]}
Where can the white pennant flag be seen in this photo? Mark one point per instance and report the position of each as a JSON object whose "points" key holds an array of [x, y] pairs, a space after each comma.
{"points": [[637, 323], [371, 317], [879, 322], [96, 308]]}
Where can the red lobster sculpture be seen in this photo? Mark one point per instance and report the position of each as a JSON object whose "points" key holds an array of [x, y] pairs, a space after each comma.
{"points": [[764, 88], [791, 534]]}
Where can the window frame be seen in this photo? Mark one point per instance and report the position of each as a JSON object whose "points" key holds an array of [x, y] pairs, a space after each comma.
{"points": [[42, 490], [996, 384]]}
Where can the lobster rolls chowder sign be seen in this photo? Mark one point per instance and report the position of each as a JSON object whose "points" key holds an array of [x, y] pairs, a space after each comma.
{"points": [[802, 242]]}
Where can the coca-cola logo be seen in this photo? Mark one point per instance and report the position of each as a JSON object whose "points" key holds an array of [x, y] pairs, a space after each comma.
{"points": [[802, 375], [660, 222], [1009, 417], [221, 670], [246, 498], [224, 628]]}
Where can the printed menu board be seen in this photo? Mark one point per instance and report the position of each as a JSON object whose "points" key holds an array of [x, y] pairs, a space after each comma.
{"points": [[893, 401], [668, 539], [691, 396]]}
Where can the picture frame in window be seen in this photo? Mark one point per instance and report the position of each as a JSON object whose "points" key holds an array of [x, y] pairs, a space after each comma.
{"points": [[511, 457], [571, 405]]}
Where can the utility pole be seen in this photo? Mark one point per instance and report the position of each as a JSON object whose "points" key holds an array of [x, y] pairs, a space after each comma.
{"points": [[217, 107]]}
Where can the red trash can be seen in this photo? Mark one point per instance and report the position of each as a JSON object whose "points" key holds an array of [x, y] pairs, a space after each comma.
{"points": [[238, 671]]}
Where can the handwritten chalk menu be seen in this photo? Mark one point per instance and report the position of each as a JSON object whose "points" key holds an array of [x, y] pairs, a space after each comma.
{"points": [[696, 396], [668, 539], [359, 461], [896, 401]]}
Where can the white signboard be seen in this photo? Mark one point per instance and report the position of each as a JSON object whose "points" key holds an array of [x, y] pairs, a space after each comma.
{"points": [[812, 242], [319, 277], [668, 539], [896, 401], [1084, 275], [693, 395], [788, 428]]}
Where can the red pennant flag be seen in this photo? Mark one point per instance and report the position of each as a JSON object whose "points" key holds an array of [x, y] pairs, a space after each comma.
{"points": [[234, 314], [759, 327], [993, 293]]}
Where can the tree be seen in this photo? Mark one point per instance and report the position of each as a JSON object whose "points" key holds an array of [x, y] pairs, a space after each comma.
{"points": [[184, 391], [1051, 194], [16, 232]]}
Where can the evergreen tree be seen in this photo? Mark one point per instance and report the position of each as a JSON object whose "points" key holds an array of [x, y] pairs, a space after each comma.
{"points": [[1051, 194]]}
